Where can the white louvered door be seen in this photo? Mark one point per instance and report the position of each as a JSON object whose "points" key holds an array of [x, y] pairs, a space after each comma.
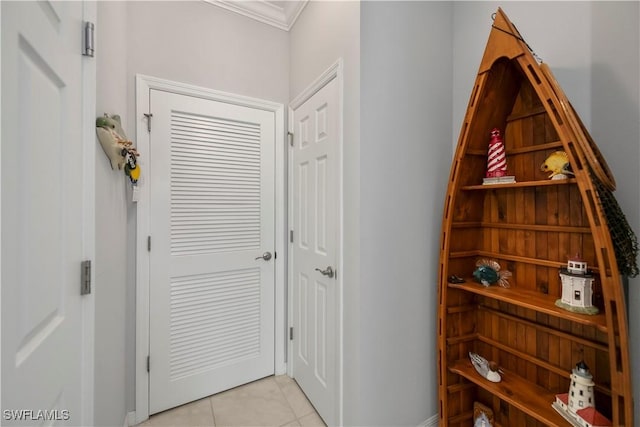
{"points": [[212, 203]]}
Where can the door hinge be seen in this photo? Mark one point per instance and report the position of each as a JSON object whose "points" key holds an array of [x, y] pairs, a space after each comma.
{"points": [[291, 333], [148, 116], [85, 281], [290, 135], [89, 28], [291, 236], [148, 363], [148, 243]]}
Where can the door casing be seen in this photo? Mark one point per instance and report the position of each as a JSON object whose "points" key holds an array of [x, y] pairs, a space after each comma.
{"points": [[335, 71], [143, 86]]}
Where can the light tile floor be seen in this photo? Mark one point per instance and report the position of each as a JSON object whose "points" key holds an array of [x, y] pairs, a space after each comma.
{"points": [[272, 401]]}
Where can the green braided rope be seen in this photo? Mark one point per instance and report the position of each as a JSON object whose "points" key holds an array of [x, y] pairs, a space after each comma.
{"points": [[625, 242]]}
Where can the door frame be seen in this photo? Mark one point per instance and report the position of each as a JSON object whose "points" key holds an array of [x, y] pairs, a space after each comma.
{"points": [[143, 86], [335, 71], [89, 96]]}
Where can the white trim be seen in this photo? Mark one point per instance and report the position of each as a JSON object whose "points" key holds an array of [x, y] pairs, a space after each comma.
{"points": [[430, 422], [142, 258], [143, 86], [129, 419], [335, 71], [265, 12], [89, 13], [1, 205], [281, 243]]}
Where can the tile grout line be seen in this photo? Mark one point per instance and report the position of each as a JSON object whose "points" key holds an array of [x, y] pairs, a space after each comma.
{"points": [[313, 408], [213, 415], [297, 386], [286, 400]]}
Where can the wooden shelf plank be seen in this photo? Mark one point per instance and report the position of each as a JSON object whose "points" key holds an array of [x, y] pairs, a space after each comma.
{"points": [[532, 300], [506, 257], [467, 416], [524, 227], [514, 258], [534, 148], [523, 184], [474, 152], [536, 361], [462, 338], [519, 150], [456, 388], [461, 308], [526, 114], [528, 397], [548, 329]]}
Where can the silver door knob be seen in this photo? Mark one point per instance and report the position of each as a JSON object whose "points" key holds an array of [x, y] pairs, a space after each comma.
{"points": [[265, 256], [327, 272]]}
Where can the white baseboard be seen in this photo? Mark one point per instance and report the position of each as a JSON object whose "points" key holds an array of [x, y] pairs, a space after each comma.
{"points": [[130, 419], [281, 369], [430, 422]]}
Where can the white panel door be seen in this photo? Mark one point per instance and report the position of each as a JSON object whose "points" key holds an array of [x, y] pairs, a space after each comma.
{"points": [[315, 215], [43, 213], [212, 201]]}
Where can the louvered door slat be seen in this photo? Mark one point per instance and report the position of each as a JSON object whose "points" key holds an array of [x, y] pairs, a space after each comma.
{"points": [[231, 153], [220, 331], [195, 150]]}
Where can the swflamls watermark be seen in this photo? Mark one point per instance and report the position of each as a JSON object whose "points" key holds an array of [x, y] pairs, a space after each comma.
{"points": [[36, 415]]}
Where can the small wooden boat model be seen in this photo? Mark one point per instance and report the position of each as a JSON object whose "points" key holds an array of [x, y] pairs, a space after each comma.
{"points": [[529, 226]]}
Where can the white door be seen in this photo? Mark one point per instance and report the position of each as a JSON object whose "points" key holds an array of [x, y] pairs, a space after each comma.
{"points": [[46, 156], [212, 220], [315, 219]]}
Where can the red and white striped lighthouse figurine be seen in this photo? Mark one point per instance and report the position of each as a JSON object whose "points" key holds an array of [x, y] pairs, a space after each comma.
{"points": [[497, 161]]}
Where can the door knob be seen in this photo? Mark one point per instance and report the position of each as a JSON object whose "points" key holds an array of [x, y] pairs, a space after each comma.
{"points": [[265, 256], [327, 272]]}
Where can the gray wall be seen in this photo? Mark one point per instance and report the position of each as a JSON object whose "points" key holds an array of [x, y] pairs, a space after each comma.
{"points": [[405, 153], [113, 301], [324, 32], [615, 126], [190, 42], [201, 44]]}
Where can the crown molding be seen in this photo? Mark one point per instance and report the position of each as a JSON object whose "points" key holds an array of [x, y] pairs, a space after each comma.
{"points": [[282, 17]]}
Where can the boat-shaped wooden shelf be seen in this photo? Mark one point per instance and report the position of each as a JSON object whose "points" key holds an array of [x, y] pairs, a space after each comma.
{"points": [[530, 227]]}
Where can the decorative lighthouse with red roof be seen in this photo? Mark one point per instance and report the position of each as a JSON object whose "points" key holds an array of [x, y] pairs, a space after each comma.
{"points": [[578, 406], [497, 161]]}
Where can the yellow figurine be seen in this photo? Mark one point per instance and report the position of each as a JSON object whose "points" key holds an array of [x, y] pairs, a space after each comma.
{"points": [[558, 164], [131, 167]]}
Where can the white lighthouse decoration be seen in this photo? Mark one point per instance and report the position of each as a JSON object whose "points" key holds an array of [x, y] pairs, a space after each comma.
{"points": [[577, 287], [578, 406]]}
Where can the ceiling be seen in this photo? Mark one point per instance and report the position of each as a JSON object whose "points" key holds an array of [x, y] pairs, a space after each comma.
{"points": [[280, 14]]}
